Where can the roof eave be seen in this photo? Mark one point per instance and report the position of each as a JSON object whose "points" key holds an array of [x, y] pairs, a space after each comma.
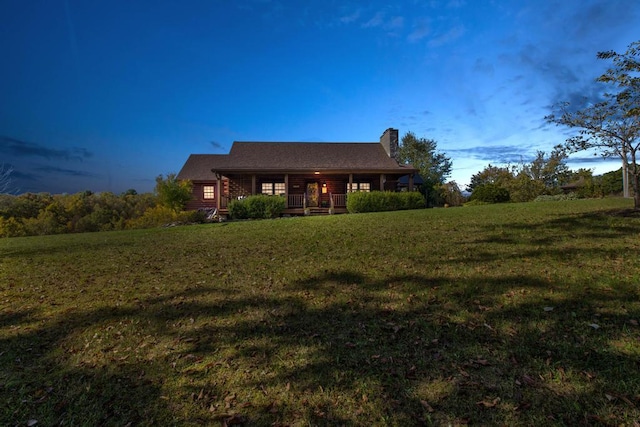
{"points": [[395, 171]]}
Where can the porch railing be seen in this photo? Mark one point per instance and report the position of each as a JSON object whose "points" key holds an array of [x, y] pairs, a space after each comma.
{"points": [[295, 200], [339, 200]]}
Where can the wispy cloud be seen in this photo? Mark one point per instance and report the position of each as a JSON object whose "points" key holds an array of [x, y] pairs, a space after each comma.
{"points": [[592, 160], [66, 172], [19, 148], [448, 37], [395, 23], [484, 67], [497, 154], [18, 175], [455, 4], [351, 17], [376, 21], [420, 30]]}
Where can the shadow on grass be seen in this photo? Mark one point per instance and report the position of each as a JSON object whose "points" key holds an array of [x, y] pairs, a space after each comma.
{"points": [[343, 347], [592, 225], [338, 348]]}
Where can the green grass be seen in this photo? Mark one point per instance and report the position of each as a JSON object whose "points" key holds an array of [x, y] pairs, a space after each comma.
{"points": [[517, 314]]}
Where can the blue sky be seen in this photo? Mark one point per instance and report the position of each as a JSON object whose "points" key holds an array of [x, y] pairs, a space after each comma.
{"points": [[104, 95]]}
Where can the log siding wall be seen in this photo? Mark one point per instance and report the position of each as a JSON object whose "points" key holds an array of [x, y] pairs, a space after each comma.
{"points": [[242, 185], [198, 201]]}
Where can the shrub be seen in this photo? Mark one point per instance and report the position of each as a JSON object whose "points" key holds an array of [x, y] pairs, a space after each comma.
{"points": [[379, 201], [475, 203], [257, 207], [490, 193], [238, 209], [154, 217], [557, 197], [11, 227], [412, 200]]}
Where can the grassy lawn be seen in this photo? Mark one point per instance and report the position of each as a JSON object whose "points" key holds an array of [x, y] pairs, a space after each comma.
{"points": [[519, 314]]}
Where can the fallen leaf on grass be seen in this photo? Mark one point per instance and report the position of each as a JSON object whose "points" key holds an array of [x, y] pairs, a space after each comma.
{"points": [[272, 408], [488, 404], [427, 406], [229, 400], [548, 309], [526, 380], [234, 420], [634, 322], [482, 362], [612, 396]]}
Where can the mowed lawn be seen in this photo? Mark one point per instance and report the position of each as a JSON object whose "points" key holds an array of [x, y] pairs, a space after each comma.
{"points": [[515, 314]]}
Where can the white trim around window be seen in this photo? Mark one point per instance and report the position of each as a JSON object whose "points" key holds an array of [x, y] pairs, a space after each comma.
{"points": [[208, 192], [359, 187], [273, 188]]}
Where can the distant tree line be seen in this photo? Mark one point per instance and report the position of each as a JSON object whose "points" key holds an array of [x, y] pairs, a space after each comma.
{"points": [[33, 214], [545, 176]]}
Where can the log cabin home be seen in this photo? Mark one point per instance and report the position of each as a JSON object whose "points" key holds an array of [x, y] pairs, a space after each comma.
{"points": [[312, 177]]}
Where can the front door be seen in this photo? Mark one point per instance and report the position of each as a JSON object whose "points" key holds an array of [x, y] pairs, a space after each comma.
{"points": [[313, 194]]}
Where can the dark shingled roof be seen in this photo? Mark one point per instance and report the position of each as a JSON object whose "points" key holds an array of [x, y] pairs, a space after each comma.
{"points": [[198, 166], [293, 157]]}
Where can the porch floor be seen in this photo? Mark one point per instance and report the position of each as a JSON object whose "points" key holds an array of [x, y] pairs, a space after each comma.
{"points": [[300, 211]]}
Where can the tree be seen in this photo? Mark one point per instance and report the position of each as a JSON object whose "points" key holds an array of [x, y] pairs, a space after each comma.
{"points": [[451, 195], [611, 127], [550, 171], [490, 193], [500, 176], [611, 182], [433, 167], [172, 192]]}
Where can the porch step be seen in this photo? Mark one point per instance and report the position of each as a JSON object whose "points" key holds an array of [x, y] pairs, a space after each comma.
{"points": [[318, 211]]}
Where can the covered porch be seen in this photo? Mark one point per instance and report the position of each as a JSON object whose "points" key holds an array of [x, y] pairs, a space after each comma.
{"points": [[318, 192]]}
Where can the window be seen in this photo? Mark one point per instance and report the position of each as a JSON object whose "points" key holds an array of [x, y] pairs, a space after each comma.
{"points": [[208, 192], [359, 186], [273, 188]]}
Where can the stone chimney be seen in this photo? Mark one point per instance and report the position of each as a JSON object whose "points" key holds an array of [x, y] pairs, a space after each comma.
{"points": [[389, 141]]}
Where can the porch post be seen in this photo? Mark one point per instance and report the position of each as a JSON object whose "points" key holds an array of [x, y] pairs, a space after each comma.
{"points": [[382, 182], [253, 185], [218, 190], [286, 190], [350, 188], [411, 182]]}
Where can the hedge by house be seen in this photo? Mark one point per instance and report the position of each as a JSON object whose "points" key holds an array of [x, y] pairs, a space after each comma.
{"points": [[379, 201], [257, 207]]}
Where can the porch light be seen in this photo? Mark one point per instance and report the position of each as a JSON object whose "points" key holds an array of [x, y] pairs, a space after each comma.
{"points": [[316, 173], [324, 188]]}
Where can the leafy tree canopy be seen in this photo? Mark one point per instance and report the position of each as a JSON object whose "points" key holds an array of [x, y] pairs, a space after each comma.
{"points": [[611, 127], [172, 192], [433, 167]]}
